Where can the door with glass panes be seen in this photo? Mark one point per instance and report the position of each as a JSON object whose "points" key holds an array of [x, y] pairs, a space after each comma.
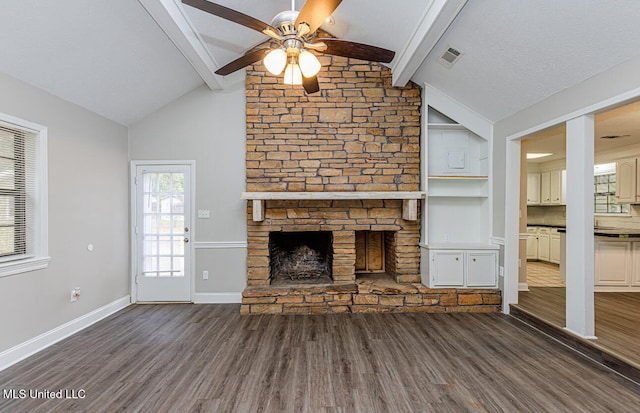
{"points": [[162, 231]]}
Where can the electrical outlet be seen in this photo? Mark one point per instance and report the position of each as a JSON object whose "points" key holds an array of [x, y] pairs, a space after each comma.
{"points": [[205, 275], [501, 271], [74, 296]]}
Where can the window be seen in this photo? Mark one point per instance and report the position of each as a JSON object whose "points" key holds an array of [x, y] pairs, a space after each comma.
{"points": [[23, 245], [605, 191]]}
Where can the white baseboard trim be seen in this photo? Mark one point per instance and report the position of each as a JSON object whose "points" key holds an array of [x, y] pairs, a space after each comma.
{"points": [[523, 287], [217, 298], [30, 347]]}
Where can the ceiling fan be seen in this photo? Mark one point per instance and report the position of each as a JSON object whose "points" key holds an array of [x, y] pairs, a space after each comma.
{"points": [[296, 34]]}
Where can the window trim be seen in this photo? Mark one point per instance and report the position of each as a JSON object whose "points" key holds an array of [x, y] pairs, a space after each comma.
{"points": [[40, 259]]}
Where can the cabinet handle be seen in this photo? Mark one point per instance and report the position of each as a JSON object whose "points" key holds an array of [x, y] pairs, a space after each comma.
{"points": [[474, 259], [456, 258]]}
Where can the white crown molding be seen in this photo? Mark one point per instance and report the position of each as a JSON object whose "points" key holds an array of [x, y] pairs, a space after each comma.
{"points": [[170, 16], [21, 351], [217, 298], [436, 19]]}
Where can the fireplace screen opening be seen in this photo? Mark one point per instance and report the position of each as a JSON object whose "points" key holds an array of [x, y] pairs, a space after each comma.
{"points": [[301, 257]]}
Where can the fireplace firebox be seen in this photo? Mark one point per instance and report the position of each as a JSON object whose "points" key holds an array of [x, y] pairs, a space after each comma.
{"points": [[301, 257]]}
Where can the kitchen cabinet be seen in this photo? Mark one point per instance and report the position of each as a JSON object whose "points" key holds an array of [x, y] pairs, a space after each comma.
{"points": [[543, 244], [533, 189], [532, 243], [553, 187], [627, 181], [554, 247], [463, 268], [613, 263]]}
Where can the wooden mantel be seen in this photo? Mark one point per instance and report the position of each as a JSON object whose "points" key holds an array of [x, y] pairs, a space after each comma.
{"points": [[409, 199]]}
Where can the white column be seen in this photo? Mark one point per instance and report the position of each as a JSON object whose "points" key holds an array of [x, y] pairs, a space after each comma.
{"points": [[512, 222], [580, 245]]}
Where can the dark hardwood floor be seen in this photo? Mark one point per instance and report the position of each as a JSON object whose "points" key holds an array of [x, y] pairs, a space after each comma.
{"points": [[617, 317], [208, 358]]}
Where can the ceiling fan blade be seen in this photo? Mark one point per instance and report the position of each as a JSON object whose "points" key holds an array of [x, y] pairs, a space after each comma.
{"points": [[241, 62], [357, 50], [230, 14], [310, 84], [314, 12]]}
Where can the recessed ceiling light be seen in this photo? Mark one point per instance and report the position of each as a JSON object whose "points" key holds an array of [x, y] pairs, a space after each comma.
{"points": [[537, 155]]}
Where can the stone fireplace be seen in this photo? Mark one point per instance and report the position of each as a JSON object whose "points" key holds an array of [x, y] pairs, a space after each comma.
{"points": [[333, 189]]}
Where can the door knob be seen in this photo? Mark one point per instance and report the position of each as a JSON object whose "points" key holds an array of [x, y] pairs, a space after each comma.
{"points": [[186, 240]]}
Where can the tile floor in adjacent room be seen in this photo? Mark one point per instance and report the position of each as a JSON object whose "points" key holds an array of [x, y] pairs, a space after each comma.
{"points": [[543, 274]]}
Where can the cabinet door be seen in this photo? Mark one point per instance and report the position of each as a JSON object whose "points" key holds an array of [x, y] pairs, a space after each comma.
{"points": [[626, 181], [448, 268], [481, 268], [543, 247], [635, 265], [532, 243], [612, 263], [533, 189], [555, 187], [545, 188], [554, 249]]}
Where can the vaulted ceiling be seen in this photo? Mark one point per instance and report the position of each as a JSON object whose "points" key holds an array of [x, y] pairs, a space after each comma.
{"points": [[124, 59]]}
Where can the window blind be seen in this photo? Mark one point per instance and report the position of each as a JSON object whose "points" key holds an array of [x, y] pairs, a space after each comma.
{"points": [[17, 192]]}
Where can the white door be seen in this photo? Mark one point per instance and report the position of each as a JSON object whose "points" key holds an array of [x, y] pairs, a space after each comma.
{"points": [[162, 228]]}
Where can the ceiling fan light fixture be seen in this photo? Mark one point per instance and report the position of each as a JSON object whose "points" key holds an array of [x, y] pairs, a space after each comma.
{"points": [[275, 61], [309, 64], [292, 74]]}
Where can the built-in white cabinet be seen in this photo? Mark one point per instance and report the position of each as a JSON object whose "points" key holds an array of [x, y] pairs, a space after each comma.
{"points": [[543, 247], [447, 268], [627, 182], [463, 268], [481, 268], [533, 188], [457, 207]]}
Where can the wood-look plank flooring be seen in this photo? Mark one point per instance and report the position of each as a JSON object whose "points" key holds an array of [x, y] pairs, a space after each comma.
{"points": [[208, 358], [617, 317]]}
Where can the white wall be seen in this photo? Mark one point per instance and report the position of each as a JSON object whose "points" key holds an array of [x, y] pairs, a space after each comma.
{"points": [[88, 203], [208, 127]]}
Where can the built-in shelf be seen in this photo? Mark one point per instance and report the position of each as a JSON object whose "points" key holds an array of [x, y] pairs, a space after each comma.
{"points": [[409, 199], [448, 126]]}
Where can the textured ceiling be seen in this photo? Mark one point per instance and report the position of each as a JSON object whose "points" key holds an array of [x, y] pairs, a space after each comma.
{"points": [[111, 57], [517, 53]]}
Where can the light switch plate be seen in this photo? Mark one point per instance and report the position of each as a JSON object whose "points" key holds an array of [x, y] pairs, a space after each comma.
{"points": [[203, 213]]}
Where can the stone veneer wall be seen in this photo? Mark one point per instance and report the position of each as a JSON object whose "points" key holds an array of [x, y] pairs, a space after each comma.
{"points": [[357, 134], [343, 218]]}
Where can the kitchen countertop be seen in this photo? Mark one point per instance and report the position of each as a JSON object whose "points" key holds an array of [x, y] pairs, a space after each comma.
{"points": [[546, 225], [612, 232]]}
